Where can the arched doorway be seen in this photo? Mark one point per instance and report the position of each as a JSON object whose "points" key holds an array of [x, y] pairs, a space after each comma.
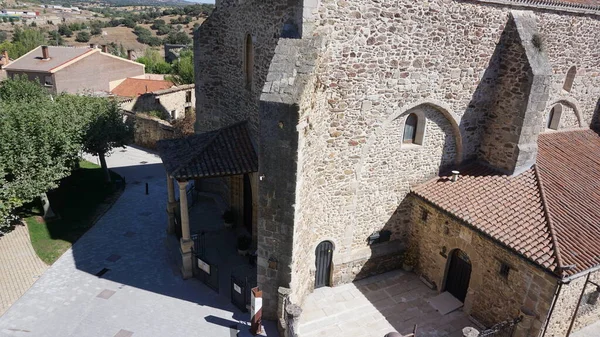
{"points": [[323, 262], [459, 275]]}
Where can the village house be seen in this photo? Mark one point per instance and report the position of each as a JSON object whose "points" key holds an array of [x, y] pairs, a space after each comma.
{"points": [[349, 118], [173, 101], [75, 70]]}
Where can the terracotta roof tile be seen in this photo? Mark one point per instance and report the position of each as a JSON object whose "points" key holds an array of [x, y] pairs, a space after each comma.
{"points": [[569, 168], [133, 87], [224, 152], [549, 214], [508, 209]]}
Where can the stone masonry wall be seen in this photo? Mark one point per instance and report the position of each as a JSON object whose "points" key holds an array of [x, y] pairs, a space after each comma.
{"points": [[491, 297], [221, 92], [149, 130], [388, 57], [168, 101]]}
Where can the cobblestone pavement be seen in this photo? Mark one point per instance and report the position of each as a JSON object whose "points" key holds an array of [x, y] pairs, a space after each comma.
{"points": [[375, 306], [20, 267], [138, 291]]}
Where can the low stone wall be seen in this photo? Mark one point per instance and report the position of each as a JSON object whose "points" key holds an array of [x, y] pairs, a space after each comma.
{"points": [[149, 130]]}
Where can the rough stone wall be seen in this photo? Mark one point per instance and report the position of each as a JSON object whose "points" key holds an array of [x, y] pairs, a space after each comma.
{"points": [[566, 303], [289, 86], [149, 130], [386, 58], [491, 298], [168, 101], [219, 49]]}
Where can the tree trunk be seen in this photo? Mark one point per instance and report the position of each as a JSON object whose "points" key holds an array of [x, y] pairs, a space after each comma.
{"points": [[104, 167], [48, 212]]}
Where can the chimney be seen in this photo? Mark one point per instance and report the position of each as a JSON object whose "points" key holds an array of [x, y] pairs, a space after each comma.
{"points": [[6, 59], [455, 175], [130, 55], [93, 46], [45, 53], [104, 48]]}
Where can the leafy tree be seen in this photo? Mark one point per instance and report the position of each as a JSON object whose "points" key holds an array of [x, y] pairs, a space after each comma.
{"points": [[64, 30], [178, 38], [183, 69], [96, 30], [107, 131], [129, 22], [83, 36], [40, 144], [155, 64], [164, 30], [3, 36], [55, 39]]}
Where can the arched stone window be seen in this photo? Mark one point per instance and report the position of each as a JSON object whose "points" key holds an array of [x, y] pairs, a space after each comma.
{"points": [[570, 78], [414, 128], [410, 129], [249, 62], [554, 115]]}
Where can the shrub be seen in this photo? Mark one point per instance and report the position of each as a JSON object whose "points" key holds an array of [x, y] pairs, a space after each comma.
{"points": [[83, 36]]}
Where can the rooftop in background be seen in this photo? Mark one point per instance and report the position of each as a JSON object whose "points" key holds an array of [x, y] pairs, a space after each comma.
{"points": [[33, 61], [133, 87], [548, 214], [59, 57]]}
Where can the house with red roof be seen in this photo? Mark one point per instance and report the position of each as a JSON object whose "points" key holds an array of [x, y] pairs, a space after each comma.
{"points": [[75, 70]]}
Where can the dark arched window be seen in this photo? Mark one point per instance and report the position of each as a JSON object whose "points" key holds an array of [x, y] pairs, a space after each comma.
{"points": [[554, 117], [249, 62], [410, 129], [570, 78]]}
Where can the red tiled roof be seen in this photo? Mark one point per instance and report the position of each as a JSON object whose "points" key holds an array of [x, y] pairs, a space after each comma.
{"points": [[133, 87], [507, 209], [224, 152], [550, 214], [569, 168]]}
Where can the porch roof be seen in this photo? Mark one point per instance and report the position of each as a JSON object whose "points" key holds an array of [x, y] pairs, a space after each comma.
{"points": [[223, 152]]}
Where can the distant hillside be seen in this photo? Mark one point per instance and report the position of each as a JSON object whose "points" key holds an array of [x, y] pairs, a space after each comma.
{"points": [[118, 3]]}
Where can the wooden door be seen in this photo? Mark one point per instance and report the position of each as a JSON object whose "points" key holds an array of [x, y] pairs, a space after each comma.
{"points": [[324, 259], [459, 275]]}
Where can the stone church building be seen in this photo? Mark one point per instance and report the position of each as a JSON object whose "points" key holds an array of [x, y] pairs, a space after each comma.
{"points": [[333, 128]]}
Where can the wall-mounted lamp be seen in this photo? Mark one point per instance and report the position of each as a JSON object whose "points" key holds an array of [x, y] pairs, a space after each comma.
{"points": [[373, 238], [379, 237], [261, 178]]}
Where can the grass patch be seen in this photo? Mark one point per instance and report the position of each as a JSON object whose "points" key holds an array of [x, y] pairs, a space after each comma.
{"points": [[78, 202]]}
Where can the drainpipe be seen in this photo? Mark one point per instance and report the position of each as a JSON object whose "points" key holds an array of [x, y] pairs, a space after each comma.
{"points": [[578, 303], [556, 294]]}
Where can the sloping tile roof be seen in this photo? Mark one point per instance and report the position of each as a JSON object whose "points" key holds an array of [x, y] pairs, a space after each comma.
{"points": [[33, 61], [549, 214], [133, 87], [569, 168], [224, 152], [507, 209]]}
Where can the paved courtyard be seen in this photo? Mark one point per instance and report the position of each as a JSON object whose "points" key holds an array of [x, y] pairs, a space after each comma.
{"points": [[20, 266], [138, 291], [375, 306]]}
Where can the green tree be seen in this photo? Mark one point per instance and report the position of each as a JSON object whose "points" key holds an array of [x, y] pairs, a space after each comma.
{"points": [[40, 144], [183, 69], [83, 36], [96, 30], [106, 131], [154, 63], [178, 38], [64, 30]]}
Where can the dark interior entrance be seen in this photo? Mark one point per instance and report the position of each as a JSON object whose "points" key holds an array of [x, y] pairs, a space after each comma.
{"points": [[323, 263], [459, 275], [248, 203]]}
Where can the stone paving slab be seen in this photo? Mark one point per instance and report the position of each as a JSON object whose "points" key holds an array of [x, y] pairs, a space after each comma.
{"points": [[592, 330], [20, 266], [394, 301], [147, 297]]}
